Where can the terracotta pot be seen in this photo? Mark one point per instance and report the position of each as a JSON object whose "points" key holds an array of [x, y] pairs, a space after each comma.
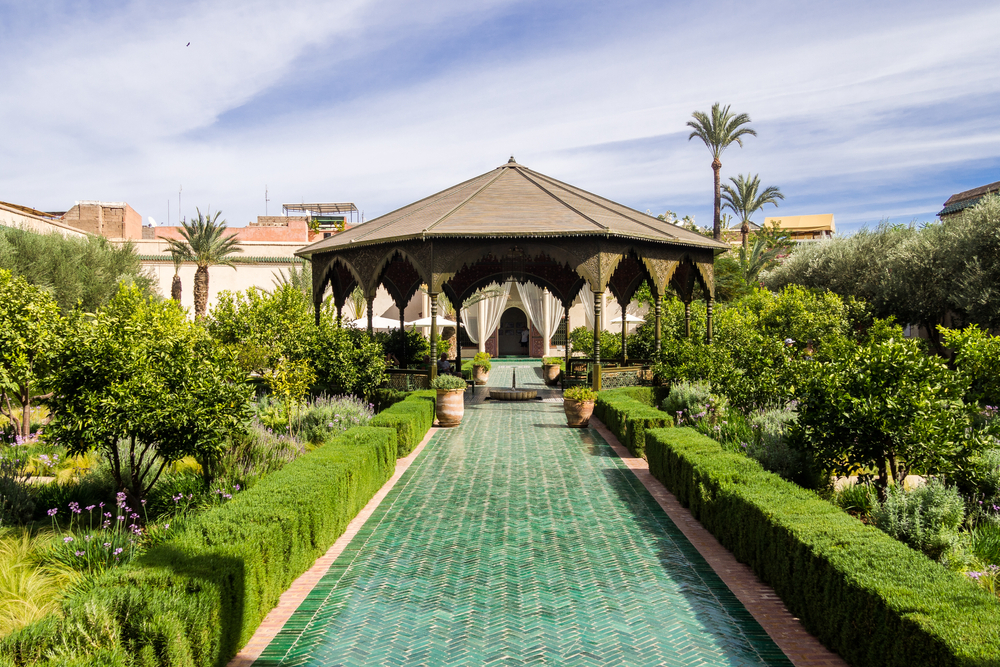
{"points": [[450, 407], [480, 375], [578, 413], [551, 373]]}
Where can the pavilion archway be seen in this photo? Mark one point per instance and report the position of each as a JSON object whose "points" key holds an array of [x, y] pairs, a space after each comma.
{"points": [[515, 224]]}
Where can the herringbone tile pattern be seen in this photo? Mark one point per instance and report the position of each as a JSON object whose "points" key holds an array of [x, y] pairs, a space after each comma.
{"points": [[513, 540]]}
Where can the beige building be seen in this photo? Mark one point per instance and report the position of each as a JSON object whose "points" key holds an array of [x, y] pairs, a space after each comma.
{"points": [[805, 228], [24, 217]]}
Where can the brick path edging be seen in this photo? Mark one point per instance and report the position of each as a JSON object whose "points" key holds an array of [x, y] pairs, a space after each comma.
{"points": [[760, 600], [300, 588]]}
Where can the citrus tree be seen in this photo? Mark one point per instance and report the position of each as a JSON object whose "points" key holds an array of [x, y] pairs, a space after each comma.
{"points": [[30, 327], [143, 385]]}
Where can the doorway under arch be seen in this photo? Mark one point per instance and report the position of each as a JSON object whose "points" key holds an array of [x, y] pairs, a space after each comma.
{"points": [[513, 323]]}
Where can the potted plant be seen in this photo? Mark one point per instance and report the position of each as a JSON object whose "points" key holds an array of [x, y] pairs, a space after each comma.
{"points": [[578, 403], [450, 404], [481, 368], [551, 367]]}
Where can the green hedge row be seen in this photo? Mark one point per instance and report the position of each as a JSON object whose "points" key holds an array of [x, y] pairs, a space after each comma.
{"points": [[628, 414], [197, 597], [865, 595], [412, 418]]}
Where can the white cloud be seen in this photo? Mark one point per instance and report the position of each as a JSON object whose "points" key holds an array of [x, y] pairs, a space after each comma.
{"points": [[843, 106]]}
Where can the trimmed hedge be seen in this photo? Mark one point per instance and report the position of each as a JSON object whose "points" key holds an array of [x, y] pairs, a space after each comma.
{"points": [[412, 418], [198, 597], [865, 595], [628, 414]]}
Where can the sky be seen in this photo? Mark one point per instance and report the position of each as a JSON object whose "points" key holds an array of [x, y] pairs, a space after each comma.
{"points": [[869, 111]]}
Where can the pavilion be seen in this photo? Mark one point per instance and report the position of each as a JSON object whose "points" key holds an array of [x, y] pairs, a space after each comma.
{"points": [[515, 224]]}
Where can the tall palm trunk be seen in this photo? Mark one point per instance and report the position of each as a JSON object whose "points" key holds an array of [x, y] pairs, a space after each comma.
{"points": [[175, 288], [717, 221], [200, 291], [744, 234]]}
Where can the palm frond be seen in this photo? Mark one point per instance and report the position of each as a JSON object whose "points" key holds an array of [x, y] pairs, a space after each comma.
{"points": [[205, 241]]}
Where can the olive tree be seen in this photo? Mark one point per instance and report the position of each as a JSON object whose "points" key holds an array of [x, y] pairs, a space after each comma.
{"points": [[143, 385]]}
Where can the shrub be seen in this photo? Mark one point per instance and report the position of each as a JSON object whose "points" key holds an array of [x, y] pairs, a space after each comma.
{"points": [[859, 500], [196, 598], [927, 517], [582, 340], [579, 393], [977, 356], [860, 592], [482, 359], [985, 543], [327, 416], [411, 418], [691, 398], [559, 361], [384, 397], [629, 419], [16, 501], [774, 451], [447, 382], [885, 405]]}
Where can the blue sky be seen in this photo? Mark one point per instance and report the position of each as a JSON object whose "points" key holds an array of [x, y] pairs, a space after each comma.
{"points": [[864, 110]]}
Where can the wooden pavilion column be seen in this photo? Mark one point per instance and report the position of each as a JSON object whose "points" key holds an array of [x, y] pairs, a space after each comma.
{"points": [[624, 332], [566, 307], [596, 381], [434, 333], [458, 341], [708, 319], [371, 315], [656, 332]]}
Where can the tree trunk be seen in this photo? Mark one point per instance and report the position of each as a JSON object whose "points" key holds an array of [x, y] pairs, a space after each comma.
{"points": [[175, 288], [25, 410], [200, 291], [717, 220], [744, 235]]}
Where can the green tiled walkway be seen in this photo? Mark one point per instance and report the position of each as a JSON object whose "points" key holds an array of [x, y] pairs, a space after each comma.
{"points": [[513, 540]]}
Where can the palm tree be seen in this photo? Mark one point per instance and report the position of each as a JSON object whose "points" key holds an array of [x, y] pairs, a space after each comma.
{"points": [[718, 131], [744, 200], [756, 259], [175, 285], [206, 244]]}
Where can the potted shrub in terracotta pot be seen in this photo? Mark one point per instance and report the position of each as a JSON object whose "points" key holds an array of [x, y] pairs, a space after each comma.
{"points": [[450, 405], [481, 368], [551, 368], [578, 402]]}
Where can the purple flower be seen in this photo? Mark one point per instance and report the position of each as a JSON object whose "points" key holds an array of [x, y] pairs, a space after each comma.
{"points": [[87, 538], [90, 507], [67, 539], [79, 553], [166, 526], [74, 507], [53, 511], [118, 551], [107, 545]]}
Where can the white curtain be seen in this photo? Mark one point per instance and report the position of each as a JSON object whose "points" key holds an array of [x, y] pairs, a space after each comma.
{"points": [[539, 302], [480, 328], [587, 299]]}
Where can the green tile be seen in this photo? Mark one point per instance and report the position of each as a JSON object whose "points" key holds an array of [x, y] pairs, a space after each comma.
{"points": [[513, 540]]}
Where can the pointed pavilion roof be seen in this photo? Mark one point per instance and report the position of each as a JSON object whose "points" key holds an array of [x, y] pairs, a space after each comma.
{"points": [[511, 201]]}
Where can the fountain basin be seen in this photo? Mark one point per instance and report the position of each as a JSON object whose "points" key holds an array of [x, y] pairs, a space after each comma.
{"points": [[513, 394]]}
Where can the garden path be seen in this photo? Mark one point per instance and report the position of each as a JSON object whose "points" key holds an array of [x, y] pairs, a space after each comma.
{"points": [[514, 540]]}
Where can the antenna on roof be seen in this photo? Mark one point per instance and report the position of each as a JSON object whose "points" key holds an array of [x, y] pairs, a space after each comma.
{"points": [[265, 200]]}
